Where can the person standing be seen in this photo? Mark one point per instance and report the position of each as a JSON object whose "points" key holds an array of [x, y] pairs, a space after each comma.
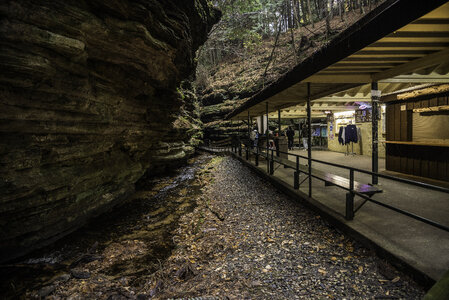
{"points": [[305, 135], [290, 135], [254, 136]]}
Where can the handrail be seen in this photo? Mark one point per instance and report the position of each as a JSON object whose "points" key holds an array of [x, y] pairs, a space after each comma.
{"points": [[351, 190], [404, 212], [403, 180]]}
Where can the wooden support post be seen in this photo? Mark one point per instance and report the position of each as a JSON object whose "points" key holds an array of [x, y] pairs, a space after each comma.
{"points": [[257, 156], [296, 175], [375, 96], [295, 180], [248, 144], [232, 138], [309, 138], [350, 197], [299, 136], [349, 206], [266, 136], [279, 121], [279, 133], [249, 127]]}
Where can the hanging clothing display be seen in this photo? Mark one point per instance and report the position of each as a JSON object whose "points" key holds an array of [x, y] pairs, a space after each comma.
{"points": [[351, 134], [348, 134], [341, 135]]}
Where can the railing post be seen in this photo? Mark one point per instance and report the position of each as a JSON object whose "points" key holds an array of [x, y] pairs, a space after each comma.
{"points": [[272, 163], [267, 137], [267, 157], [247, 153], [257, 155], [296, 175], [309, 138], [240, 150], [375, 97], [350, 197]]}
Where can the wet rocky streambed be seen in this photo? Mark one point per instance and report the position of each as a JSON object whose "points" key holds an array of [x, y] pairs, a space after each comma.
{"points": [[212, 229], [131, 240]]}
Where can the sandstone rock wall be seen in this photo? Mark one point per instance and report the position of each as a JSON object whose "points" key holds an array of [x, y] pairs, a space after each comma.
{"points": [[215, 106], [88, 104]]}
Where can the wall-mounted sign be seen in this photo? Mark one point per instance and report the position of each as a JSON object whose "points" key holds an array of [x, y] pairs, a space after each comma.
{"points": [[363, 116], [403, 107]]}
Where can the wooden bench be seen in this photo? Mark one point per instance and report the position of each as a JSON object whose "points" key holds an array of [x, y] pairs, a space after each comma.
{"points": [[328, 178]]}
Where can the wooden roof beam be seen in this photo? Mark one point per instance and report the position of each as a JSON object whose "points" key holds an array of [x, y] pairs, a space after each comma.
{"points": [[417, 79], [419, 34], [429, 60], [334, 107], [426, 45], [392, 52], [397, 59], [371, 64], [432, 21], [339, 78], [341, 99]]}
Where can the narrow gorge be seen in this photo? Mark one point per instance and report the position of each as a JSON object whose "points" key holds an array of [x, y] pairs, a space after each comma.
{"points": [[94, 95]]}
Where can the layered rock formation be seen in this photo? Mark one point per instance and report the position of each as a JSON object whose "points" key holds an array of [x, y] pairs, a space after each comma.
{"points": [[89, 102]]}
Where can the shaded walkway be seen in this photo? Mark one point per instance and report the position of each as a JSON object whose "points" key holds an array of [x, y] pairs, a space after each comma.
{"points": [[418, 245]]}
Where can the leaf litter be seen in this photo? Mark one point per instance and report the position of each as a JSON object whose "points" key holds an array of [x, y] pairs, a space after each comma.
{"points": [[243, 240]]}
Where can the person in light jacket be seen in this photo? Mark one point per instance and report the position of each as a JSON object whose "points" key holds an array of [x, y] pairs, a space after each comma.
{"points": [[305, 135], [254, 137]]}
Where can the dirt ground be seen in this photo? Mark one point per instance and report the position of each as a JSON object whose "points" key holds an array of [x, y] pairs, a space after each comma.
{"points": [[243, 240]]}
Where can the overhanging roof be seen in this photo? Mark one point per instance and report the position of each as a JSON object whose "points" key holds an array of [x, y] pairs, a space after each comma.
{"points": [[351, 99], [401, 41]]}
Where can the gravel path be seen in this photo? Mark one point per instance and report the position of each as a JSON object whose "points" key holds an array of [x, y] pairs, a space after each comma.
{"points": [[245, 240]]}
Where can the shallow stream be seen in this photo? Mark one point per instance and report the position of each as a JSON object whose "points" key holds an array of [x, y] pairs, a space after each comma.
{"points": [[142, 225]]}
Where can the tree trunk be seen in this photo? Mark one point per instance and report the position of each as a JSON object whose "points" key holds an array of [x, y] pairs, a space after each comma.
{"points": [[305, 19], [309, 9], [293, 46], [341, 9], [318, 11], [288, 14], [272, 51], [328, 12], [296, 11]]}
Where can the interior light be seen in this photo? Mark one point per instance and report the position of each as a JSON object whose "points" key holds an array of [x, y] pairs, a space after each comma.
{"points": [[349, 113]]}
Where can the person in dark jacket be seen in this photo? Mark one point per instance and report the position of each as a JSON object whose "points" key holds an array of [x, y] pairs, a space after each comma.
{"points": [[290, 135]]}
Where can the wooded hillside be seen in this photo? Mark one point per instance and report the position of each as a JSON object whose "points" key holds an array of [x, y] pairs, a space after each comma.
{"points": [[257, 41]]}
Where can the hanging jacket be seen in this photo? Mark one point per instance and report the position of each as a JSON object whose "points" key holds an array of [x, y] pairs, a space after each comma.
{"points": [[351, 134], [341, 135]]}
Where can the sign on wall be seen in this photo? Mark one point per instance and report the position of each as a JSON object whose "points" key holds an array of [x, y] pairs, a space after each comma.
{"points": [[363, 116]]}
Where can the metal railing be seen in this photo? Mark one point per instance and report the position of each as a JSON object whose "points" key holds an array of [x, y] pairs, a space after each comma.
{"points": [[352, 192]]}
